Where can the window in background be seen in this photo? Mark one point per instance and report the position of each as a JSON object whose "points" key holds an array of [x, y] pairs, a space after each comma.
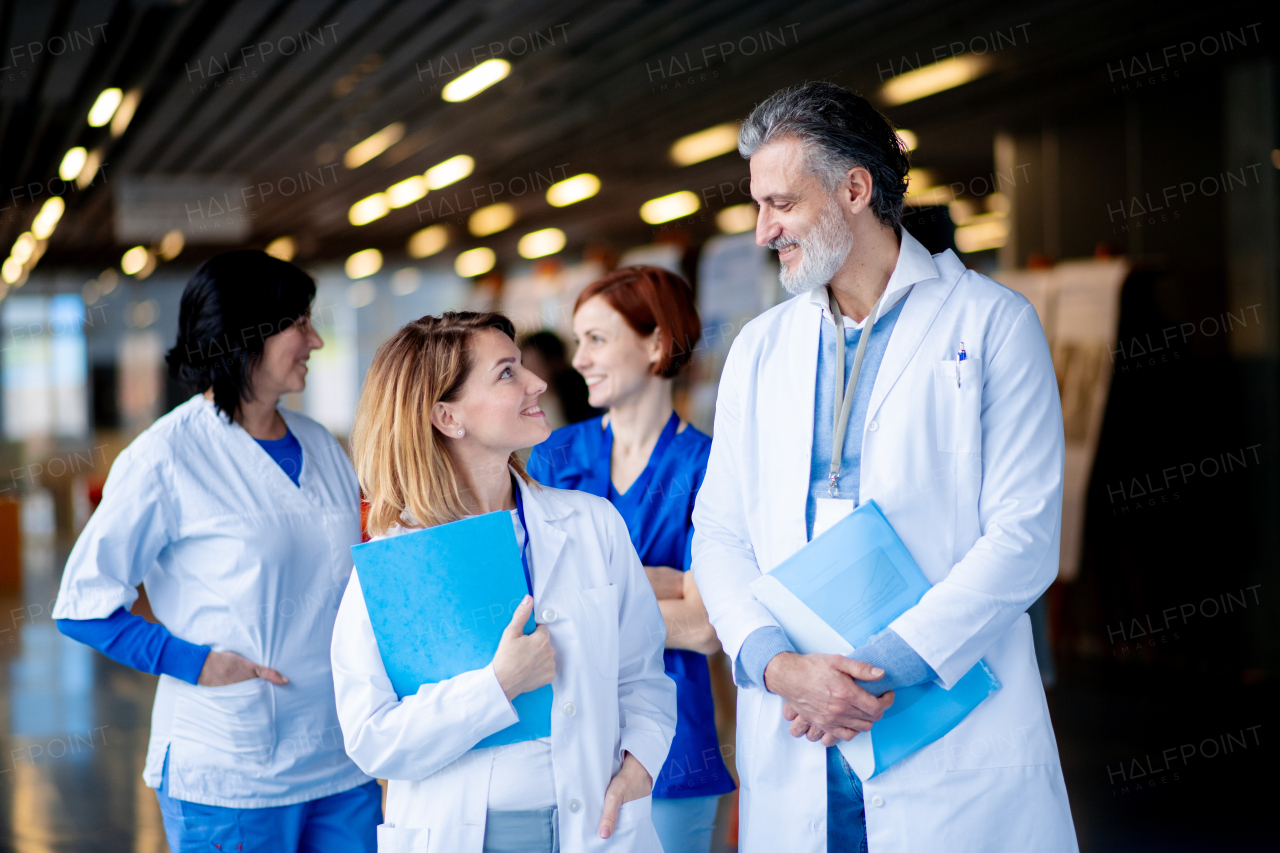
{"points": [[45, 369]]}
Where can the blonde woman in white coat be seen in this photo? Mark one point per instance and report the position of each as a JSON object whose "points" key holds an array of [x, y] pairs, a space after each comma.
{"points": [[446, 405]]}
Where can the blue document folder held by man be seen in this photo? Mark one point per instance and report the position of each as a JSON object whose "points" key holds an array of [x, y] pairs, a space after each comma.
{"points": [[439, 599], [846, 585]]}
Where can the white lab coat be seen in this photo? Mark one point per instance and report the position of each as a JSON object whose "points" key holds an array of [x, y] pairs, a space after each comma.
{"points": [[970, 477], [611, 694], [236, 557]]}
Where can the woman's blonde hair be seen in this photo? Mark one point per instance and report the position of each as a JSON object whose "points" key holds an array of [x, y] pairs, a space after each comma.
{"points": [[401, 459]]}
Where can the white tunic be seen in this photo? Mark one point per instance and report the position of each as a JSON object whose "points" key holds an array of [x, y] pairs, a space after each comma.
{"points": [[969, 473], [234, 556], [611, 693]]}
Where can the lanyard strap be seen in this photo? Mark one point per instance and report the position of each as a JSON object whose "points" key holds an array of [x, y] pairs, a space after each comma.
{"points": [[844, 395], [524, 552]]}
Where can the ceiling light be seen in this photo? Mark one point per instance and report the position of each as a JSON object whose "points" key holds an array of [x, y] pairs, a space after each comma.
{"points": [[361, 293], [405, 281], [135, 260], [989, 234], [908, 139], [124, 114], [705, 144], [428, 241], [90, 169], [172, 244], [476, 80], [539, 244], [23, 247], [364, 263], [474, 262], [12, 270], [669, 207], [362, 152], [572, 190], [47, 219], [450, 171], [283, 248], [931, 79], [368, 209], [407, 191], [737, 218], [104, 107], [72, 163], [491, 219]]}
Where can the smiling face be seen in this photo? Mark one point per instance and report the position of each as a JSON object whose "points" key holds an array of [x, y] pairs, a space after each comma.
{"points": [[612, 357], [497, 408], [282, 369], [799, 218]]}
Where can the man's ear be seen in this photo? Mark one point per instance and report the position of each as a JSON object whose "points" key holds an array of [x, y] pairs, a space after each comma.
{"points": [[856, 191], [442, 418]]}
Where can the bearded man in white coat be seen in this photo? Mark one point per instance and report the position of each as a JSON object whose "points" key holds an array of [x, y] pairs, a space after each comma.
{"points": [[955, 430]]}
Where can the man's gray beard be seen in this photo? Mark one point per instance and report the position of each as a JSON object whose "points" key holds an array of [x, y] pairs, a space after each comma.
{"points": [[822, 253]]}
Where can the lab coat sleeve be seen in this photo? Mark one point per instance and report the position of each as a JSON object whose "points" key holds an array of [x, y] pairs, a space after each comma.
{"points": [[126, 533], [1019, 511], [724, 562], [413, 737], [646, 696]]}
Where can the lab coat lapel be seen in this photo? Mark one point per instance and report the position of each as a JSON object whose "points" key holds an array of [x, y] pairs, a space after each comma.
{"points": [[545, 515], [790, 405], [931, 285]]}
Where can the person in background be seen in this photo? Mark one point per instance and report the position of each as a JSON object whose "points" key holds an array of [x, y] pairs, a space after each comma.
{"points": [[635, 329], [445, 408], [566, 399], [238, 516]]}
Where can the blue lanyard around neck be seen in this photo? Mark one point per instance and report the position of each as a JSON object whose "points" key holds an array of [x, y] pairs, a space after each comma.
{"points": [[524, 552]]}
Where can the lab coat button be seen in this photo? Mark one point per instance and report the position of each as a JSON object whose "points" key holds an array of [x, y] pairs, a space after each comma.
{"points": [[873, 426], [575, 806], [549, 615], [877, 801], [570, 709]]}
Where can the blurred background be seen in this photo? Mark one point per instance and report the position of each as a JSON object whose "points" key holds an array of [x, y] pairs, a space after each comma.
{"points": [[1114, 161]]}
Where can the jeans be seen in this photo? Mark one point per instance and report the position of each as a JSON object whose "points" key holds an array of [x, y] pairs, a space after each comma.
{"points": [[347, 821], [685, 824], [529, 831], [846, 819]]}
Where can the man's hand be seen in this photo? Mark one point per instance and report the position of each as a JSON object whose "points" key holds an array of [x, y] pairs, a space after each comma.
{"points": [[823, 702], [667, 583], [223, 668], [632, 783]]}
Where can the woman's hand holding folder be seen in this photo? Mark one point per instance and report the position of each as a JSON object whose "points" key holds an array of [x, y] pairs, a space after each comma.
{"points": [[524, 662]]}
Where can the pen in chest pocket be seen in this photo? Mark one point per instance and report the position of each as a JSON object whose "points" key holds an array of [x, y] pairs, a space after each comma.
{"points": [[960, 356]]}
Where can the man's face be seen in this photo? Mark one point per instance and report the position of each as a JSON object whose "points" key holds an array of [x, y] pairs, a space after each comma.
{"points": [[799, 218]]}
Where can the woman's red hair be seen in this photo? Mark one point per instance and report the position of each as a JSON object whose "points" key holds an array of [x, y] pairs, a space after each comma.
{"points": [[651, 298]]}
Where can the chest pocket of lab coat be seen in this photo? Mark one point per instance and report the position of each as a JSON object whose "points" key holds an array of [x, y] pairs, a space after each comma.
{"points": [[958, 406], [598, 618]]}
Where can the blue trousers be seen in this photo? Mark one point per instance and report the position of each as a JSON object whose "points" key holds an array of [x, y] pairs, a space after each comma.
{"points": [[346, 822], [685, 824], [846, 819]]}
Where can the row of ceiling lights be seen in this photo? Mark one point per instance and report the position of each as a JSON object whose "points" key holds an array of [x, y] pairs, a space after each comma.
{"points": [[114, 106]]}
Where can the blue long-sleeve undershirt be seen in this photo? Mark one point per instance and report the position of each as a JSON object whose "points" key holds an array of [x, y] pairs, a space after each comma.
{"points": [[133, 641]]}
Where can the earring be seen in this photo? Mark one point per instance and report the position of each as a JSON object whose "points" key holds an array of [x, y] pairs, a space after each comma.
{"points": [[459, 433]]}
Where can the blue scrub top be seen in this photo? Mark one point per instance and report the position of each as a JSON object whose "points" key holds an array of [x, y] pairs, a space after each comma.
{"points": [[661, 525]]}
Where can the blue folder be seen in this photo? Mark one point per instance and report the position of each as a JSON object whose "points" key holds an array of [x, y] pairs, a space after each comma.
{"points": [[439, 599], [846, 585]]}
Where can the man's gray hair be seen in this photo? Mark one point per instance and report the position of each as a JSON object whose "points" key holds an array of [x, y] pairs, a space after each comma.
{"points": [[838, 130]]}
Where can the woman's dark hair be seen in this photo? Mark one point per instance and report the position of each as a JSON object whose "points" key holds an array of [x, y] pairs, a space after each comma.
{"points": [[231, 305], [839, 130], [651, 298]]}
